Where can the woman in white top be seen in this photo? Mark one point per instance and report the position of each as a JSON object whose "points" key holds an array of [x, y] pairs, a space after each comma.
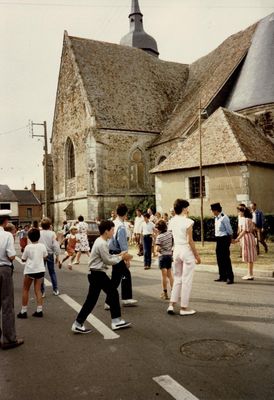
{"points": [[185, 256]]}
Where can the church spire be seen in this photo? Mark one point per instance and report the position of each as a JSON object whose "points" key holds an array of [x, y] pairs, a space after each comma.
{"points": [[135, 9], [137, 37]]}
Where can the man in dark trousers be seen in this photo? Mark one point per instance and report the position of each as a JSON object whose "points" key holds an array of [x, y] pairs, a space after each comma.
{"points": [[223, 234], [258, 219], [7, 317], [120, 272]]}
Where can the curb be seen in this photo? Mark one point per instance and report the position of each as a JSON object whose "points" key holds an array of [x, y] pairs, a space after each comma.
{"points": [[214, 268]]}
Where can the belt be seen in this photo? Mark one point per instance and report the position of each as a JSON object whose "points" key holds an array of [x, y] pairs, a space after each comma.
{"points": [[149, 234], [114, 252]]}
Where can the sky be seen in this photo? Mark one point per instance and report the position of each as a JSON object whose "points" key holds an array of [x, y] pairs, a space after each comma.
{"points": [[31, 38]]}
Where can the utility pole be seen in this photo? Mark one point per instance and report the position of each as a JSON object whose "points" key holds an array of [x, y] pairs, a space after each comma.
{"points": [[45, 148], [201, 174]]}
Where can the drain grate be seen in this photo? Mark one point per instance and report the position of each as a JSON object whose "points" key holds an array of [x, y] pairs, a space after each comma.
{"points": [[212, 350]]}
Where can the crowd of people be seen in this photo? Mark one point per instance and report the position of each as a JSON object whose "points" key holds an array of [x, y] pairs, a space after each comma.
{"points": [[169, 237]]}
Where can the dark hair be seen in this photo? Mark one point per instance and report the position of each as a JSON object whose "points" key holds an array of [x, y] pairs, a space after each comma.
{"points": [[121, 210], [216, 207], [4, 218], [80, 218], [179, 205], [34, 235], [35, 224], [105, 225], [45, 223], [146, 215], [161, 226], [241, 208], [247, 213]]}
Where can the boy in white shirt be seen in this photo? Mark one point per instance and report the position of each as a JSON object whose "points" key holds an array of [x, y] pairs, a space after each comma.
{"points": [[33, 256], [147, 229]]}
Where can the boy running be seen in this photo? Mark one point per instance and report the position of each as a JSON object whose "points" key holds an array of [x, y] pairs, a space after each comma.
{"points": [[98, 280]]}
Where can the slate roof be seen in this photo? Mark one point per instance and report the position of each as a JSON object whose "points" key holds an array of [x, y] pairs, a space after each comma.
{"points": [[255, 84], [126, 87], [206, 77], [26, 197], [227, 138], [6, 195]]}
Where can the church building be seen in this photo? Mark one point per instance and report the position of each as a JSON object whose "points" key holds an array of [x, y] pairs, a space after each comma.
{"points": [[121, 111]]}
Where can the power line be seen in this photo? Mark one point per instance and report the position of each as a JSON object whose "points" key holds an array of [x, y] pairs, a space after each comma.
{"points": [[14, 130]]}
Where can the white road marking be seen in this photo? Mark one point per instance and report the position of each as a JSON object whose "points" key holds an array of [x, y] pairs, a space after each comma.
{"points": [[19, 260], [95, 322], [177, 391]]}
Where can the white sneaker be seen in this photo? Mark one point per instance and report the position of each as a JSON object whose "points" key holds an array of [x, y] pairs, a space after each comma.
{"points": [[248, 278], [170, 310], [77, 328], [120, 325], [106, 307], [56, 292], [129, 302], [43, 294], [187, 312]]}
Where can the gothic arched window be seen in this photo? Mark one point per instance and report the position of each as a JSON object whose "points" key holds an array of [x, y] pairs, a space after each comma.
{"points": [[137, 169], [70, 159], [161, 159]]}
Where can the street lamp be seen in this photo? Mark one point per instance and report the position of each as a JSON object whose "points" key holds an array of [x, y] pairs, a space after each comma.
{"points": [[202, 114]]}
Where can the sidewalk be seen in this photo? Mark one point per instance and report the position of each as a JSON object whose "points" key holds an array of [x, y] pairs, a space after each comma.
{"points": [[259, 271]]}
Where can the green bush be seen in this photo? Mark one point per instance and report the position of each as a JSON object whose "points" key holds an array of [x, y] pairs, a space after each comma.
{"points": [[143, 204]]}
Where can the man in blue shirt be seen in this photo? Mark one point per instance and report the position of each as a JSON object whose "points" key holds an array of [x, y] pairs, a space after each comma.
{"points": [[223, 234], [120, 272], [258, 219]]}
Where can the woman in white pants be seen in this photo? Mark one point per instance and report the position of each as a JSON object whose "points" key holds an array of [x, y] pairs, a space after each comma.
{"points": [[185, 257]]}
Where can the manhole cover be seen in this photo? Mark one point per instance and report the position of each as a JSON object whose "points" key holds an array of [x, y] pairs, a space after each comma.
{"points": [[212, 350]]}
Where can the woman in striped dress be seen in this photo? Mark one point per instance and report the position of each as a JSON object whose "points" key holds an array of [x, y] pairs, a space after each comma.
{"points": [[247, 239]]}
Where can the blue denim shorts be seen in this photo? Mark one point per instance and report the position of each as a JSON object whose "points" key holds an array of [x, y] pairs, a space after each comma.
{"points": [[165, 261]]}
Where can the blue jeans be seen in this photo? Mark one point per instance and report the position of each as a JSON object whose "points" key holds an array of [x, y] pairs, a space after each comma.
{"points": [[147, 250], [49, 262]]}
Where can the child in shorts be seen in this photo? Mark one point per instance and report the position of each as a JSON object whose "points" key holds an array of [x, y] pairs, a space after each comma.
{"points": [[70, 248], [164, 243], [34, 271]]}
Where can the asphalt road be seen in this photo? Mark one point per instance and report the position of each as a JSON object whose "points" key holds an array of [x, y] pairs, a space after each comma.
{"points": [[224, 352]]}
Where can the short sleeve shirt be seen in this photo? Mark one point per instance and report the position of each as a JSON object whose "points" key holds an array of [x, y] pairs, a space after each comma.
{"points": [[178, 225], [34, 254], [165, 241], [6, 247]]}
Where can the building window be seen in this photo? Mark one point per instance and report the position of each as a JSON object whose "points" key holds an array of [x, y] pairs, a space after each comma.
{"points": [[161, 159], [29, 212], [70, 159], [5, 206], [137, 169], [194, 187]]}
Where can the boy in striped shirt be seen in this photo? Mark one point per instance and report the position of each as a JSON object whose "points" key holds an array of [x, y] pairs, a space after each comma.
{"points": [[164, 243]]}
